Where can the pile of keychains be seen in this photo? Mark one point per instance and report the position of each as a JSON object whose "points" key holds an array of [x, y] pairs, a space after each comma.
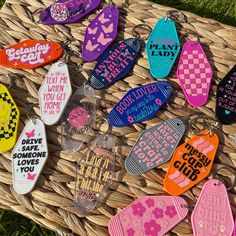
{"points": [[190, 162]]}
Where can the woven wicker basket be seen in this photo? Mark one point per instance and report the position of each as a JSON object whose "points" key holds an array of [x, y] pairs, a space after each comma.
{"points": [[51, 202]]}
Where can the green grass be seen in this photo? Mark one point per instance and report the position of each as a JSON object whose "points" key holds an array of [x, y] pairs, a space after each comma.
{"points": [[13, 224]]}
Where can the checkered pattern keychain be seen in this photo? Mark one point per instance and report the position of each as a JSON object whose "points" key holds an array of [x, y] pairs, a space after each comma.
{"points": [[194, 73], [9, 119]]}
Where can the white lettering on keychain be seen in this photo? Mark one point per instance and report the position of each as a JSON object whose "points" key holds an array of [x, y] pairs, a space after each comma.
{"points": [[54, 93], [29, 156]]}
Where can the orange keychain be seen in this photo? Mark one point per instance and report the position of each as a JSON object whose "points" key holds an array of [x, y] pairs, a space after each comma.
{"points": [[191, 162], [30, 54]]}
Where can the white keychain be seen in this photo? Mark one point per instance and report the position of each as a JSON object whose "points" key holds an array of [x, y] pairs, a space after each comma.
{"points": [[29, 156], [55, 93]]}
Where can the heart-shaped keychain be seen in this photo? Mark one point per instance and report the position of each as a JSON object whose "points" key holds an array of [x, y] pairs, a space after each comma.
{"points": [[194, 72], [163, 46], [226, 98], [100, 33], [67, 11]]}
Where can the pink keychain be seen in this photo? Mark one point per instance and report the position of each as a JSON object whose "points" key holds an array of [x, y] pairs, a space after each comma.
{"points": [[212, 215], [149, 216], [194, 73]]}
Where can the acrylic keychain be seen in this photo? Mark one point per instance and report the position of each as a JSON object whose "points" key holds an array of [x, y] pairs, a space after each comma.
{"points": [[149, 215], [29, 156], [78, 118], [191, 161], [9, 119], [67, 11], [212, 215], [163, 46], [155, 146], [226, 98], [94, 172], [56, 90], [100, 33], [117, 61], [30, 54], [140, 104], [194, 72]]}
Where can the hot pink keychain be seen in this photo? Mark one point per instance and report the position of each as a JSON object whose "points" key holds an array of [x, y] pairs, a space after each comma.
{"points": [[194, 73], [149, 216]]}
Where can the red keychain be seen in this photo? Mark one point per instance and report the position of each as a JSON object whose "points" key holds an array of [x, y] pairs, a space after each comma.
{"points": [[30, 54]]}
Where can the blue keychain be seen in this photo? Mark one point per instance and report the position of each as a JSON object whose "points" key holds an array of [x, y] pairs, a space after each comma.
{"points": [[163, 47], [140, 104]]}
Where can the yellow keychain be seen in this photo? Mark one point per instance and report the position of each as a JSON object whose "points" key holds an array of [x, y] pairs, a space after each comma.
{"points": [[9, 120]]}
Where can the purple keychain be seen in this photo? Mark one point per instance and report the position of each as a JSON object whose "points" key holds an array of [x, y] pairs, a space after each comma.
{"points": [[100, 33], [67, 11]]}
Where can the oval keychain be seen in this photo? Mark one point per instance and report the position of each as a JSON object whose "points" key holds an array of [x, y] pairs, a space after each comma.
{"points": [[54, 93], [29, 156], [100, 33], [163, 47], [194, 72], [140, 104], [212, 215], [116, 62], [191, 162], [78, 118], [67, 11], [226, 98], [149, 215], [155, 146], [94, 173], [9, 120], [30, 54]]}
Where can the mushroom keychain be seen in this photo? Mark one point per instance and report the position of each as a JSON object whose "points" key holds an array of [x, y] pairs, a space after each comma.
{"points": [[94, 172], [212, 215], [117, 61], [163, 45]]}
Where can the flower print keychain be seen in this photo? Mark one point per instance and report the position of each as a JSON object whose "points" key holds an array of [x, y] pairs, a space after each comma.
{"points": [[117, 61], [194, 72], [94, 172], [29, 156], [163, 45], [100, 33], [149, 216], [140, 104], [192, 161], [9, 119], [67, 11], [30, 54], [212, 214]]}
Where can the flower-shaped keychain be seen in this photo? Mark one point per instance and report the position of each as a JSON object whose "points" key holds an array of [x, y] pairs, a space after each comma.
{"points": [[117, 61], [94, 172], [212, 215]]}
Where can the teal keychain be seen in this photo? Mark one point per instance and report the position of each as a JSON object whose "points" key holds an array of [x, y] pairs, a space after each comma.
{"points": [[163, 46]]}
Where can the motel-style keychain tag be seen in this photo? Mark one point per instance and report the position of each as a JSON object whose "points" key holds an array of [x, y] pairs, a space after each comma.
{"points": [[212, 215], [94, 173], [140, 104], [30, 54], [67, 11], [100, 33], [149, 216], [155, 146], [9, 120], [194, 73], [116, 62], [226, 98], [29, 156], [54, 93], [162, 47], [191, 162], [78, 118]]}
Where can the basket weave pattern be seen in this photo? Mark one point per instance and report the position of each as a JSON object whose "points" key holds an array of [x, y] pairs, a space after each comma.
{"points": [[51, 202]]}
